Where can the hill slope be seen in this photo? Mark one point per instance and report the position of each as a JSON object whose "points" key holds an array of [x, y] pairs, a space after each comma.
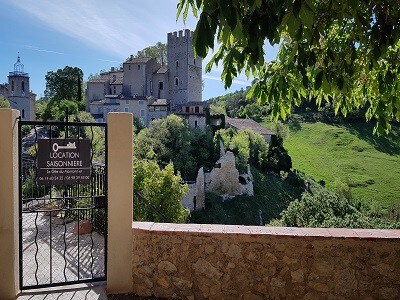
{"points": [[352, 154]]}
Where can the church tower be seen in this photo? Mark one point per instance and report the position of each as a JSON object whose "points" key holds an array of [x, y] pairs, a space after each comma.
{"points": [[185, 70], [19, 92]]}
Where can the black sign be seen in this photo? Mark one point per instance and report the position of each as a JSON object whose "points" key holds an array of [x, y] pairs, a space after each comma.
{"points": [[63, 161]]}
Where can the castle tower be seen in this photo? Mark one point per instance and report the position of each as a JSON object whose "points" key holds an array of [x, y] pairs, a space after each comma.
{"points": [[19, 92], [185, 70]]}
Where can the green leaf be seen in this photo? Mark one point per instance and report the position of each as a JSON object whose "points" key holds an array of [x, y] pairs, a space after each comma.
{"points": [[296, 7], [306, 15], [318, 79]]}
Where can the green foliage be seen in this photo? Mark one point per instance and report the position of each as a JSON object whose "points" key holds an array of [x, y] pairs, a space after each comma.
{"points": [[4, 103], [31, 190], [64, 91], [40, 105], [56, 110], [162, 188], [345, 53], [158, 51], [138, 125], [327, 209], [251, 147], [25, 130], [253, 111], [171, 139]]}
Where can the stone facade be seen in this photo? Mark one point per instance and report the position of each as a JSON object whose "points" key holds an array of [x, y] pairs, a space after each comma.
{"points": [[188, 261], [178, 83], [196, 198]]}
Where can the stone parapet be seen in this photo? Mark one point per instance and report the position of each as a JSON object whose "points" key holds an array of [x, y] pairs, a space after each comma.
{"points": [[190, 261]]}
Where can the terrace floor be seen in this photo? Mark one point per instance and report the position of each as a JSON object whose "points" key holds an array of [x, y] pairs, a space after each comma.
{"points": [[95, 291]]}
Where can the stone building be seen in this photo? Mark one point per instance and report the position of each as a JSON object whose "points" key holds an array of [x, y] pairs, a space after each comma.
{"points": [[17, 92], [249, 124], [148, 90]]}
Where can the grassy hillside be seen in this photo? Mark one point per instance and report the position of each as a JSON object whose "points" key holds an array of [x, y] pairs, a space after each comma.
{"points": [[352, 154], [271, 196]]}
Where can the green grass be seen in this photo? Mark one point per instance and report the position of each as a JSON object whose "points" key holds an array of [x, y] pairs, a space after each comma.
{"points": [[271, 196], [349, 153]]}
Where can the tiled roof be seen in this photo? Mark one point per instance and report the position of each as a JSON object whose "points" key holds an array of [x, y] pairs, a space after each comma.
{"points": [[138, 60], [99, 80], [162, 70], [193, 103], [158, 102], [112, 72], [117, 80], [248, 124]]}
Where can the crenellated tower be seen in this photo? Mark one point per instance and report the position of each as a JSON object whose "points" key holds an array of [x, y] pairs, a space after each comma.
{"points": [[185, 70]]}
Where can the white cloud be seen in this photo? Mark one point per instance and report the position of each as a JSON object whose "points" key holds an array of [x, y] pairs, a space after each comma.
{"points": [[118, 28], [34, 48], [235, 81]]}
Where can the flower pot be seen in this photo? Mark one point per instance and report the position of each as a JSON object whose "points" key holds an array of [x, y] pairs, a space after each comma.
{"points": [[85, 227]]}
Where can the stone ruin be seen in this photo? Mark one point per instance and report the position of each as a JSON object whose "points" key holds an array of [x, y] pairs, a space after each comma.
{"points": [[224, 180]]}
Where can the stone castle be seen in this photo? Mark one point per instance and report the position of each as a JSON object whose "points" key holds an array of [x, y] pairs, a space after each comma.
{"points": [[17, 92], [151, 91]]}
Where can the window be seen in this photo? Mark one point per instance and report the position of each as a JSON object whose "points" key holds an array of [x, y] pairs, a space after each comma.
{"points": [[99, 110], [196, 109], [23, 113], [195, 123], [157, 108], [177, 64], [141, 102], [194, 61], [126, 109], [176, 81], [163, 108], [151, 108], [161, 85], [129, 67], [138, 67], [23, 86], [113, 101], [151, 86], [187, 109], [115, 89], [12, 85], [142, 113], [127, 102]]}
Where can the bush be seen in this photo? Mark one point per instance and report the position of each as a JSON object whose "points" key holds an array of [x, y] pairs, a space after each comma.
{"points": [[162, 189], [278, 157], [327, 209]]}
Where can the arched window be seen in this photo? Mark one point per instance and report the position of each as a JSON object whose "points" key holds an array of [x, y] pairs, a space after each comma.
{"points": [[177, 64], [12, 85], [23, 86], [176, 81]]}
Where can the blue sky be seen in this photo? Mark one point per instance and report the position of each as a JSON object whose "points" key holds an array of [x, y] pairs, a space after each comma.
{"points": [[92, 35]]}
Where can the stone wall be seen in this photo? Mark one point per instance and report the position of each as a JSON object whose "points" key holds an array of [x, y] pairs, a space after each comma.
{"points": [[189, 261]]}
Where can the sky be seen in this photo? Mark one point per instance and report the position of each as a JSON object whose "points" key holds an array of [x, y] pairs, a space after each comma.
{"points": [[93, 35]]}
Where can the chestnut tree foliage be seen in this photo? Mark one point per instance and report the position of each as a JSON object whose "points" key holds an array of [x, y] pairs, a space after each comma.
{"points": [[342, 52]]}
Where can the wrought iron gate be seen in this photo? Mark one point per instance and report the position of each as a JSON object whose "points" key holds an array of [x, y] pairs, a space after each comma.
{"points": [[63, 225]]}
